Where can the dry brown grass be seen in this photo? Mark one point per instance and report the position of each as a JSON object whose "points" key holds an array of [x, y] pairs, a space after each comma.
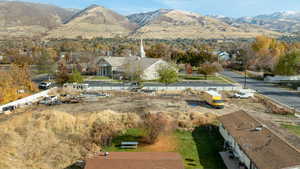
{"points": [[272, 107], [49, 139]]}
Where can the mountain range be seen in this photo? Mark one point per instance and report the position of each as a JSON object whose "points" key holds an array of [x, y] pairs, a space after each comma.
{"points": [[168, 23], [94, 21], [23, 19], [19, 19], [288, 21]]}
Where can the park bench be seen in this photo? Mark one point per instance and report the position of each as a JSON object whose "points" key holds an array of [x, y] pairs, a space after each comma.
{"points": [[129, 145]]}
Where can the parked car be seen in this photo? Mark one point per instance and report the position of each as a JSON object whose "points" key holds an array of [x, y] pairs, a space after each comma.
{"points": [[9, 108], [135, 86], [45, 85], [243, 95]]}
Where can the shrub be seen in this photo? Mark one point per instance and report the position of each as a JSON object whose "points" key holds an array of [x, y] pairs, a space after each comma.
{"points": [[209, 69], [75, 77], [167, 75], [154, 125]]}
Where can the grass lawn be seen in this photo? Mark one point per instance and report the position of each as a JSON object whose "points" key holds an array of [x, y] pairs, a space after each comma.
{"points": [[211, 78], [292, 129], [199, 149], [100, 78]]}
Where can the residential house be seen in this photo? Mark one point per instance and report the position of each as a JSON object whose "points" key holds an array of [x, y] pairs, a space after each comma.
{"points": [[224, 56], [136, 160], [255, 145]]}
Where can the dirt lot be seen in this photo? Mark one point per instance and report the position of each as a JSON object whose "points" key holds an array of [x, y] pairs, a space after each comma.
{"points": [[70, 123]]}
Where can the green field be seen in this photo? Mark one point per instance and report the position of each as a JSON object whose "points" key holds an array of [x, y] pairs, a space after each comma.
{"points": [[292, 128], [199, 149]]}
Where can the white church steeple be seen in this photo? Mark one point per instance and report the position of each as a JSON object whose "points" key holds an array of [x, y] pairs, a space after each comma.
{"points": [[142, 52]]}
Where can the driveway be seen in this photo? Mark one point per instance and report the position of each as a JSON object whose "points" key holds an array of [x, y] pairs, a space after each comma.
{"points": [[284, 96]]}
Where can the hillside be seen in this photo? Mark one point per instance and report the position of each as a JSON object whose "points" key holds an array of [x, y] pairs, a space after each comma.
{"points": [[94, 21], [170, 24], [279, 21], [23, 19], [18, 19]]}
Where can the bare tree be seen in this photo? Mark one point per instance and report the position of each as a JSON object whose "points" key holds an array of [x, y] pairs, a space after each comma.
{"points": [[154, 125]]}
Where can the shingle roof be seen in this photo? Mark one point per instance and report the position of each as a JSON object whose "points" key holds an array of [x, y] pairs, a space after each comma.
{"points": [[264, 148], [115, 61], [134, 62], [143, 63], [136, 160]]}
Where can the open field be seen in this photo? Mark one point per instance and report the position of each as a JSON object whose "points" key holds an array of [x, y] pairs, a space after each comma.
{"points": [[48, 137]]}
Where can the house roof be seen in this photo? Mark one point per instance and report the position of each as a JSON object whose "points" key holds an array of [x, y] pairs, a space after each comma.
{"points": [[133, 61], [263, 147], [115, 61], [136, 160], [144, 63]]}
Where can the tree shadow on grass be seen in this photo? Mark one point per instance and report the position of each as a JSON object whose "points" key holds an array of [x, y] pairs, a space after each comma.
{"points": [[209, 143]]}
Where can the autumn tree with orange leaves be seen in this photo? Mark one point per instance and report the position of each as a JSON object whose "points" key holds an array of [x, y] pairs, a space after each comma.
{"points": [[268, 52], [16, 79]]}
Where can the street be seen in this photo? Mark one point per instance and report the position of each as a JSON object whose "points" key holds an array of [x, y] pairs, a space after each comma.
{"points": [[284, 96], [152, 84]]}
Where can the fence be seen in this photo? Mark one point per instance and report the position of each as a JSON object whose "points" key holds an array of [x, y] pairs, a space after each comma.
{"points": [[282, 78], [168, 88], [27, 100]]}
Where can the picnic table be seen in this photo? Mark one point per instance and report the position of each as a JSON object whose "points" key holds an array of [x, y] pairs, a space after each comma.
{"points": [[129, 145]]}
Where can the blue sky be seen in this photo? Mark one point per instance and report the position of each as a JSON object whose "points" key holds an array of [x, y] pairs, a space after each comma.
{"points": [[233, 8]]}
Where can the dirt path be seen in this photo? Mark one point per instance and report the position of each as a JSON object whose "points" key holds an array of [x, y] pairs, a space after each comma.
{"points": [[165, 143]]}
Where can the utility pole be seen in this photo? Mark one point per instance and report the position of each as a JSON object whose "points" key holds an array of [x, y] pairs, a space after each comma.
{"points": [[245, 81]]}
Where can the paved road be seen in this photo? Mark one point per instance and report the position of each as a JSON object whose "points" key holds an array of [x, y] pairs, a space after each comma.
{"points": [[187, 83], [284, 96]]}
